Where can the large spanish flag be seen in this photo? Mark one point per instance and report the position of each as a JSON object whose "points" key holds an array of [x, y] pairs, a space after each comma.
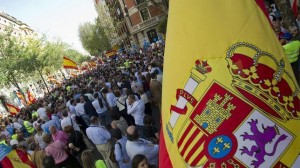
{"points": [[234, 101], [69, 64], [17, 159]]}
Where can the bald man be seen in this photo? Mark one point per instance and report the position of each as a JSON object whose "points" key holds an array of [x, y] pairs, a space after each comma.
{"points": [[136, 145]]}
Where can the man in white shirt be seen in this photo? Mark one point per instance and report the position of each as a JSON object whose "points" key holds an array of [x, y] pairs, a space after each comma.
{"points": [[79, 108], [41, 111], [136, 108], [110, 98], [69, 120], [136, 145], [100, 136]]}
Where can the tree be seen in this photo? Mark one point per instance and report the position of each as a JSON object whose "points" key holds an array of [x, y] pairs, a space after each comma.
{"points": [[12, 59], [93, 38], [106, 22]]}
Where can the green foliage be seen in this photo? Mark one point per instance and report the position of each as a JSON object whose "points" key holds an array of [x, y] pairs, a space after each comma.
{"points": [[25, 59], [93, 38]]}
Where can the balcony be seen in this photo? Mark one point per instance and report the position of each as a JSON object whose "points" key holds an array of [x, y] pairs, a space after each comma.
{"points": [[146, 24]]}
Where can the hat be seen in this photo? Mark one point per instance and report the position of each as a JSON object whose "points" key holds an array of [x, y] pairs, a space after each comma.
{"points": [[13, 142]]}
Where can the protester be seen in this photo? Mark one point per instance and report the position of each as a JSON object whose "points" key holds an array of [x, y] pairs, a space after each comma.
{"points": [[136, 145]]}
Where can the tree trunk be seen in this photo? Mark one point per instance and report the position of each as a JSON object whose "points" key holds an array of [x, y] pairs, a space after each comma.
{"points": [[16, 84], [63, 74], [286, 12], [40, 73]]}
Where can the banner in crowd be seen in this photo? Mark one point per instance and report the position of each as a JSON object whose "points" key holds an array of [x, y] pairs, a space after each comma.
{"points": [[12, 109], [17, 159], [69, 64], [234, 101], [30, 97], [21, 98]]}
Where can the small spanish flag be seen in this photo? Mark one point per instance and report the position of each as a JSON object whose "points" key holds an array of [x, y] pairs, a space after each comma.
{"points": [[31, 98], [12, 109], [69, 64], [110, 53]]}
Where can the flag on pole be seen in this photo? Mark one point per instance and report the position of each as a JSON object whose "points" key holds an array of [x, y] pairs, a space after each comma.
{"points": [[30, 97], [69, 64], [21, 97], [235, 100], [12, 109]]}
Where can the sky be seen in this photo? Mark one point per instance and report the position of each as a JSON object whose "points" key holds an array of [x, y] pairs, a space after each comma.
{"points": [[58, 19]]}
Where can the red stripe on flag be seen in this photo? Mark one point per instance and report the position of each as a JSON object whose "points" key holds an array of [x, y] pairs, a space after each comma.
{"points": [[195, 148], [185, 134], [164, 158], [70, 67], [197, 159], [188, 143]]}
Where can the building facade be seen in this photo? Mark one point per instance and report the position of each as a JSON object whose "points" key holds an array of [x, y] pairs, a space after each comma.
{"points": [[19, 28], [136, 21], [145, 16]]}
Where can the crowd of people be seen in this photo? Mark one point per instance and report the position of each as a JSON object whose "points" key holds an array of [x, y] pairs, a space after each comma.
{"points": [[289, 37], [101, 118]]}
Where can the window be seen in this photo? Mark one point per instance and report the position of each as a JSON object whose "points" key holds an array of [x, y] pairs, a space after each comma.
{"points": [[145, 14]]}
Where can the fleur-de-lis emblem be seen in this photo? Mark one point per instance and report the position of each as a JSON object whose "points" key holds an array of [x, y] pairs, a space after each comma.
{"points": [[272, 84], [289, 100], [251, 73]]}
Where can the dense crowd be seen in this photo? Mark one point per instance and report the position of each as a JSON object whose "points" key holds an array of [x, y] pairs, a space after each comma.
{"points": [[289, 37], [101, 118]]}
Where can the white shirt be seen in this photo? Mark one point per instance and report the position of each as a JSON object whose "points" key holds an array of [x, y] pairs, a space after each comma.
{"points": [[68, 104], [41, 112], [137, 110], [143, 147], [121, 102], [90, 96], [97, 106], [66, 121], [40, 140], [97, 134], [144, 97], [72, 109], [17, 125], [111, 99], [79, 108]]}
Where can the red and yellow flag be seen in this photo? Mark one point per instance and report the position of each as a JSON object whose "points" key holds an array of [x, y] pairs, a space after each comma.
{"points": [[31, 98], [69, 64], [17, 159], [12, 109], [111, 53], [235, 100], [21, 98]]}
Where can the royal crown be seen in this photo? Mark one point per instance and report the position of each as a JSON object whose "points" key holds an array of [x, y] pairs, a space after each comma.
{"points": [[263, 80]]}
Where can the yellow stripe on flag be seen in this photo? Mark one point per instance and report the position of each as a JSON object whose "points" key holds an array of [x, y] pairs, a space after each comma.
{"points": [[69, 64]]}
